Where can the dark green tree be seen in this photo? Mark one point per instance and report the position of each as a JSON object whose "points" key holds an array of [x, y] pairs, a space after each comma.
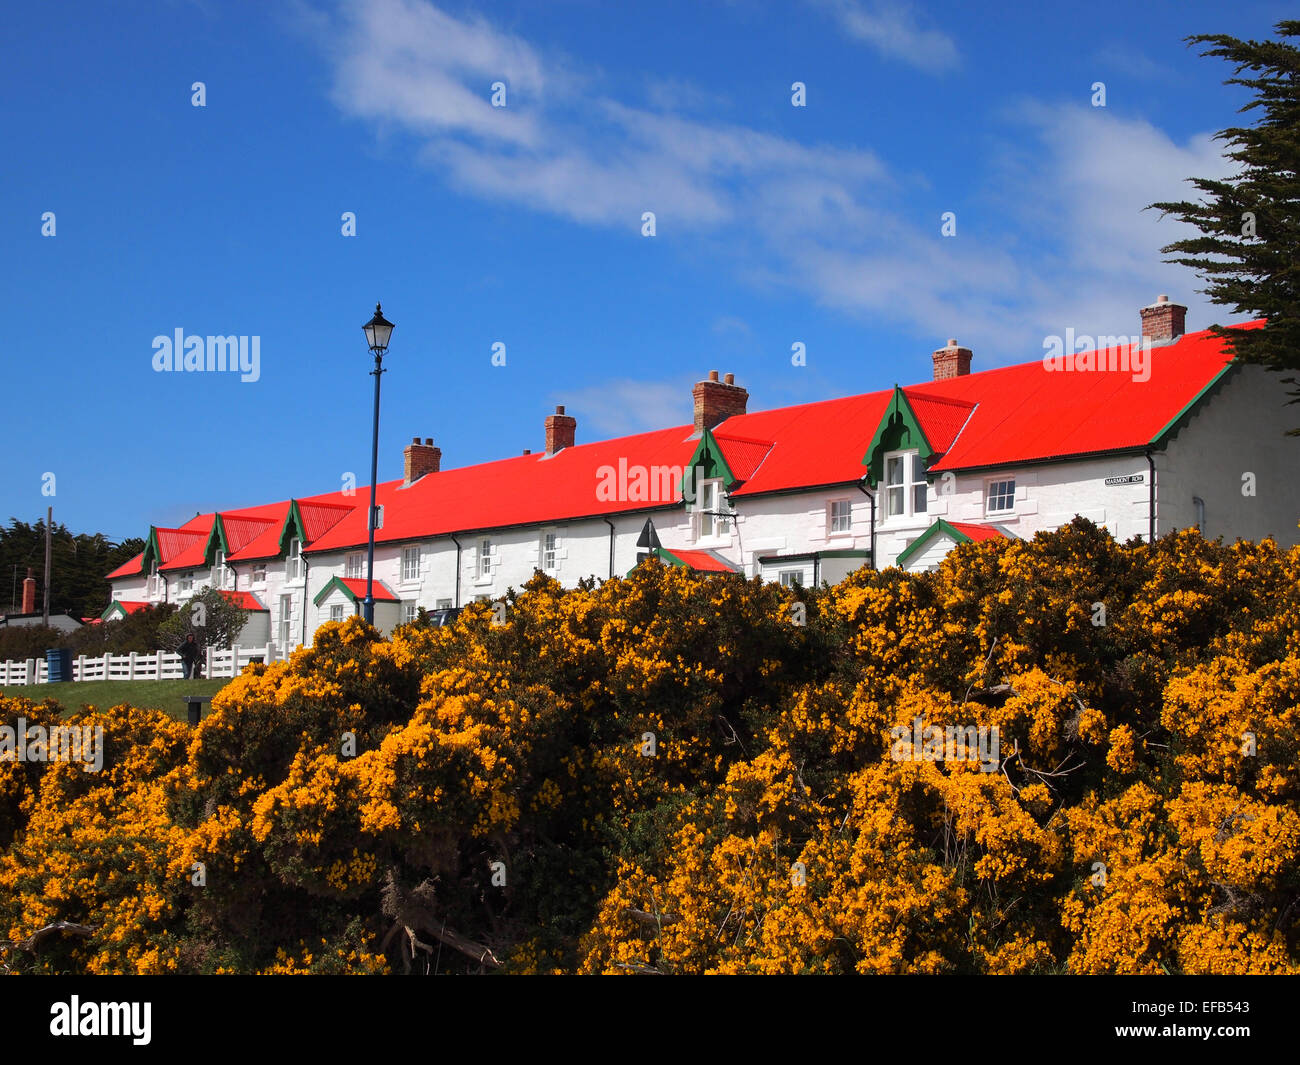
{"points": [[1249, 247]]}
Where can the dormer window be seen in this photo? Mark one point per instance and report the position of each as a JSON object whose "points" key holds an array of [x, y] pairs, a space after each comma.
{"points": [[905, 487], [712, 517], [293, 564], [220, 575]]}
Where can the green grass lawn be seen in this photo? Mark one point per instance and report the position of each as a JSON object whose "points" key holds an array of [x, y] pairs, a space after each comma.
{"points": [[165, 695]]}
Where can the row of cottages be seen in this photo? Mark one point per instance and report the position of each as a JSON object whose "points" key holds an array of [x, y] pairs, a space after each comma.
{"points": [[803, 494]]}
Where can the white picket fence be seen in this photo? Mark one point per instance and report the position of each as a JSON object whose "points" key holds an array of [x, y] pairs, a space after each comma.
{"points": [[160, 665]]}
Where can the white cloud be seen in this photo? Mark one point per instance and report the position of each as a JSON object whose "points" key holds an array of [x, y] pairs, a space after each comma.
{"points": [[1062, 240], [622, 406], [894, 31]]}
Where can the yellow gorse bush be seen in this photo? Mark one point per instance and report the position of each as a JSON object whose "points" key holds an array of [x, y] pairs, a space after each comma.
{"points": [[665, 773]]}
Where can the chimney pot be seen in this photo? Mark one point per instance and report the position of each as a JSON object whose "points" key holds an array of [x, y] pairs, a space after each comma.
{"points": [[528, 451], [716, 401], [951, 361], [730, 379], [1163, 321], [419, 459]]}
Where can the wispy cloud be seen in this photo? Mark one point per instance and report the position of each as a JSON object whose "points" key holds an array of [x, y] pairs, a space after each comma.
{"points": [[894, 30], [1063, 237], [625, 405]]}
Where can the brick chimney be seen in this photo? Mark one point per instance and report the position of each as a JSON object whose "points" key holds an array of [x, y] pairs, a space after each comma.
{"points": [[560, 429], [716, 401], [1164, 321], [952, 361], [29, 594], [420, 459]]}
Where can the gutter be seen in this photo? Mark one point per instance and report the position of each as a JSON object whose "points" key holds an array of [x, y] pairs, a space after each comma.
{"points": [[306, 570], [457, 543], [611, 546], [872, 497], [1151, 505]]}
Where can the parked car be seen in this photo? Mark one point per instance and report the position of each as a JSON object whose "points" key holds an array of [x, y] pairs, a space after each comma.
{"points": [[444, 616]]}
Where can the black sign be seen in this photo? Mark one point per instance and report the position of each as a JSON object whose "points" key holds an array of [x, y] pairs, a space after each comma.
{"points": [[1132, 478]]}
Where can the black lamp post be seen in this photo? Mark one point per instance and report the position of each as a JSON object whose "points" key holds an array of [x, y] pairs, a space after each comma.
{"points": [[378, 331]]}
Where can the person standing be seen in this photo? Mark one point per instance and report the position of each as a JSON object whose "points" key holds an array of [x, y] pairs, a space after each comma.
{"points": [[189, 656]]}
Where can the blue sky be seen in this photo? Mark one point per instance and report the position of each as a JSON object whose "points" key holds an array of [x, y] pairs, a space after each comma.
{"points": [[521, 224]]}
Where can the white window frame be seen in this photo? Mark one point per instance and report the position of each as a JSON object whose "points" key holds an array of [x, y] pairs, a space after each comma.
{"points": [[293, 563], [286, 621], [259, 574], [185, 584], [483, 570], [354, 565], [410, 611], [1010, 496], [442, 604], [912, 469], [411, 570], [712, 501], [788, 577], [550, 552], [336, 608], [847, 530], [221, 573]]}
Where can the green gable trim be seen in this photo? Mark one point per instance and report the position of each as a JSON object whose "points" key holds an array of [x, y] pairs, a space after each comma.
{"points": [[293, 524], [114, 609], [710, 460], [918, 545], [899, 430], [1180, 420], [334, 582], [152, 552], [663, 554], [217, 537]]}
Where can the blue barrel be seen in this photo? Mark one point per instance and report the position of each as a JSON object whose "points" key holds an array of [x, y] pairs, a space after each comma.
{"points": [[58, 664]]}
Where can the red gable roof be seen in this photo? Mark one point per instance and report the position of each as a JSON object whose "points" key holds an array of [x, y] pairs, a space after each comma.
{"points": [[247, 600], [1026, 413], [183, 548], [517, 491], [704, 561], [978, 533], [357, 586], [128, 569]]}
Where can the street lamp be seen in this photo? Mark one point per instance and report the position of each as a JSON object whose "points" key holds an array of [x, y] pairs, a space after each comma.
{"points": [[378, 332]]}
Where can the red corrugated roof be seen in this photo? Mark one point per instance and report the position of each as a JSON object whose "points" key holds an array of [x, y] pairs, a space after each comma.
{"points": [[522, 490], [704, 561], [247, 600], [743, 456], [131, 607], [357, 586], [183, 548], [127, 569], [978, 533]]}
